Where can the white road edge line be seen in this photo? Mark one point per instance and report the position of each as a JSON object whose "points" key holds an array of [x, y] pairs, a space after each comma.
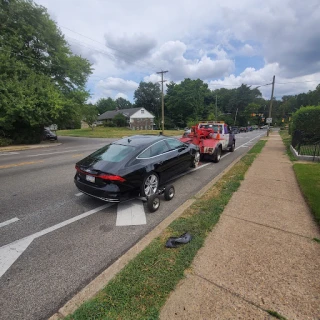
{"points": [[9, 253], [5, 223]]}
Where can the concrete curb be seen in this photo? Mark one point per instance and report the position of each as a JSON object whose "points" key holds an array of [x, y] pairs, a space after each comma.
{"points": [[102, 280], [28, 147]]}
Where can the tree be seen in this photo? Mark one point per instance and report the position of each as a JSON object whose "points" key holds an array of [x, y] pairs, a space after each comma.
{"points": [[122, 103], [41, 81], [89, 114], [104, 105], [120, 120], [148, 96], [188, 101]]}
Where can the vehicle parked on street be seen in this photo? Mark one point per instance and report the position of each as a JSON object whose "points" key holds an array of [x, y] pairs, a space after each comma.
{"points": [[212, 137], [235, 129], [134, 166], [264, 127], [243, 129], [49, 135]]}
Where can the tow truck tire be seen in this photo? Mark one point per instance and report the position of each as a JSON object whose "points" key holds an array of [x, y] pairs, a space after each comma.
{"points": [[169, 192], [153, 203], [217, 157], [232, 147]]}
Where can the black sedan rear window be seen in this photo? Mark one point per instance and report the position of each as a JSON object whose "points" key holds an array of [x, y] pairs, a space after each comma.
{"points": [[113, 153]]}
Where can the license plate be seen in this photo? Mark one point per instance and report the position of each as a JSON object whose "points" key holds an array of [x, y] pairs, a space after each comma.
{"points": [[90, 179]]}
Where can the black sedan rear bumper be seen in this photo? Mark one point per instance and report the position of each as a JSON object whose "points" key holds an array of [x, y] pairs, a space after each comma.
{"points": [[102, 193]]}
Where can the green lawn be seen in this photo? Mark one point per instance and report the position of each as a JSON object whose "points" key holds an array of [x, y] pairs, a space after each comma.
{"points": [[143, 286], [108, 132], [308, 176]]}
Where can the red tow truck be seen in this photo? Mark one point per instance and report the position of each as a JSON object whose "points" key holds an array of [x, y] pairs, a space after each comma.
{"points": [[212, 137]]}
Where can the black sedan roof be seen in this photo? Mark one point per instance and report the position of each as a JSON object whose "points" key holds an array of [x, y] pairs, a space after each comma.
{"points": [[140, 140]]}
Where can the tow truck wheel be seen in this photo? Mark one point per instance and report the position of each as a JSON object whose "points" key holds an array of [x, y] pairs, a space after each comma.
{"points": [[196, 160], [217, 157], [232, 147], [153, 203], [169, 192]]}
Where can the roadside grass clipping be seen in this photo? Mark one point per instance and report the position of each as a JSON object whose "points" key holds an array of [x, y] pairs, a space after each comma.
{"points": [[112, 132], [286, 138], [141, 288]]}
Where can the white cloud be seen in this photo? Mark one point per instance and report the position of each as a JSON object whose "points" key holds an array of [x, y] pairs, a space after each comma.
{"points": [[262, 78], [247, 50], [118, 84], [121, 95], [216, 41], [130, 48]]}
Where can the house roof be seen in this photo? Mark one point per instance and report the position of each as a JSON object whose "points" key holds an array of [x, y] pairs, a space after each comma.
{"points": [[126, 112], [111, 114]]}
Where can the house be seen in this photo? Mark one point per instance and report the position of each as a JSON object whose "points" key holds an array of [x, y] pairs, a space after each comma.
{"points": [[138, 118]]}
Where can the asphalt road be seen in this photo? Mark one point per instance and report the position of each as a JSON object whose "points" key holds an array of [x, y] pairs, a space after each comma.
{"points": [[53, 240]]}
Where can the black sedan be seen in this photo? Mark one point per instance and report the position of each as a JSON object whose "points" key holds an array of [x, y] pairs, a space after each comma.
{"points": [[134, 166]]}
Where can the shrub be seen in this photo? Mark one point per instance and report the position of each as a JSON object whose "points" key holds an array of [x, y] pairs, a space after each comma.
{"points": [[307, 120], [5, 142]]}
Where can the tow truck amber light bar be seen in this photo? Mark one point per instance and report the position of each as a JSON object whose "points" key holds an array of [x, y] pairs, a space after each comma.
{"points": [[104, 176]]}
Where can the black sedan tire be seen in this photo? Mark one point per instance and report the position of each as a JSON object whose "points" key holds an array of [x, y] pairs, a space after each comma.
{"points": [[150, 185], [169, 192], [232, 147], [153, 203]]}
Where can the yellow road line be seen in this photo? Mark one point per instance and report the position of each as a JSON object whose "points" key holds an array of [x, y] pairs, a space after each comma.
{"points": [[77, 155], [19, 164]]}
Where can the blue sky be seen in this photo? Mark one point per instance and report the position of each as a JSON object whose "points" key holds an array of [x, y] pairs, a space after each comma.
{"points": [[224, 43]]}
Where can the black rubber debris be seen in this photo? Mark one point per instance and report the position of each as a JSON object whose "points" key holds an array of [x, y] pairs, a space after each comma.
{"points": [[174, 242]]}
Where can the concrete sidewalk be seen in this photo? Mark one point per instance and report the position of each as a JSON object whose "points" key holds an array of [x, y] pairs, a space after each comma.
{"points": [[260, 256]]}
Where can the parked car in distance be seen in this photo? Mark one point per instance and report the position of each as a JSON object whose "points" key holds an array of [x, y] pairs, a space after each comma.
{"points": [[49, 135], [249, 128], [134, 166], [243, 129], [235, 129], [255, 127], [264, 127]]}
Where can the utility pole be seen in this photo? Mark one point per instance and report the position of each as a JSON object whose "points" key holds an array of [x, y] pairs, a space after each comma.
{"points": [[162, 102], [216, 108], [235, 118], [270, 108]]}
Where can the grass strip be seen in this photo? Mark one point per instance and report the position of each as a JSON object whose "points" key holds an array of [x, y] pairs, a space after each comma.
{"points": [[286, 138], [308, 176], [140, 289], [111, 132]]}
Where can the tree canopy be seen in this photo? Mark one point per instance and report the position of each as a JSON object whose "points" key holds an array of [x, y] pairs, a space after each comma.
{"points": [[148, 96], [41, 81]]}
